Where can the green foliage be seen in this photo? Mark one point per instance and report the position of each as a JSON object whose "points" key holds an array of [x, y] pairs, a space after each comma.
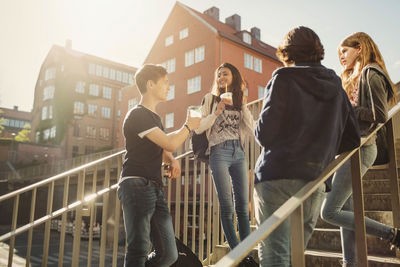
{"points": [[23, 135], [2, 122]]}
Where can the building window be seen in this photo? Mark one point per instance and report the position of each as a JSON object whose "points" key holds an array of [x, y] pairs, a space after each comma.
{"points": [[92, 109], [89, 150], [50, 113], [94, 89], [118, 113], [107, 91], [119, 76], [125, 77], [260, 92], [199, 54], [248, 61], [169, 65], [49, 74], [132, 102], [189, 58], [112, 74], [99, 70], [169, 40], [37, 137], [119, 96], [169, 120], [48, 92], [257, 65], [44, 113], [46, 134], [184, 33], [79, 107], [194, 85], [130, 79], [106, 112], [90, 132], [80, 87], [171, 92], [77, 130], [105, 72], [53, 132], [104, 133], [92, 69], [247, 38]]}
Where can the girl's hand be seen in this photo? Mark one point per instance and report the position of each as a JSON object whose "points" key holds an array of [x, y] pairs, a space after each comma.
{"points": [[220, 108]]}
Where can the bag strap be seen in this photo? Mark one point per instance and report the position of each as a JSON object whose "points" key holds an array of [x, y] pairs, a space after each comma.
{"points": [[212, 103]]}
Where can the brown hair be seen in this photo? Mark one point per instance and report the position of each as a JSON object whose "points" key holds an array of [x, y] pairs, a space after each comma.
{"points": [[237, 86], [300, 45], [148, 72], [369, 54]]}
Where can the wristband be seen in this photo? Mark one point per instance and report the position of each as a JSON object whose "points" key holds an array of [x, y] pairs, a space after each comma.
{"points": [[187, 127]]}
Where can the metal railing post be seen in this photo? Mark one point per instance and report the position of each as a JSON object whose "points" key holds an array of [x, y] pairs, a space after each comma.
{"points": [[46, 240], [30, 232], [103, 232], [13, 227], [63, 222], [78, 220]]}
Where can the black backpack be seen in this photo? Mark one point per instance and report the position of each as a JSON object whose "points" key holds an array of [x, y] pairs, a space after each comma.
{"points": [[200, 141], [186, 257]]}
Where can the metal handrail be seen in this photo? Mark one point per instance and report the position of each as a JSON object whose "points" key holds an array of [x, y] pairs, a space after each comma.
{"points": [[296, 201]]}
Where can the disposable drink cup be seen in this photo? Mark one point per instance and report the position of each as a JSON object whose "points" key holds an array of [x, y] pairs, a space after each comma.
{"points": [[227, 98], [194, 111]]}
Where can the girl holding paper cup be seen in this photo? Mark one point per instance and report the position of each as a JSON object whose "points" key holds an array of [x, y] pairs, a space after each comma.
{"points": [[227, 125]]}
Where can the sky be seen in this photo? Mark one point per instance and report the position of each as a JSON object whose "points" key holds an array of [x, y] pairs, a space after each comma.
{"points": [[125, 30]]}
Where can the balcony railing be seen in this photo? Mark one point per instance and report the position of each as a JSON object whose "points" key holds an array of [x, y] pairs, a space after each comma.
{"points": [[192, 200]]}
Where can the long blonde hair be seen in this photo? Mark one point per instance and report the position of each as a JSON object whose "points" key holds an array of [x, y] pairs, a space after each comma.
{"points": [[369, 54]]}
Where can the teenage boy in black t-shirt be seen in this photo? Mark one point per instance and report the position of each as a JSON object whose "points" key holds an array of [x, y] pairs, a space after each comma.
{"points": [[140, 189]]}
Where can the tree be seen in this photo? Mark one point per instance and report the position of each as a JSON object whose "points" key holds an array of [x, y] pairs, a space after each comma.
{"points": [[23, 135]]}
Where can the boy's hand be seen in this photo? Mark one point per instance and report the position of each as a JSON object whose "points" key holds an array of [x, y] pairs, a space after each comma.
{"points": [[193, 122], [174, 170]]}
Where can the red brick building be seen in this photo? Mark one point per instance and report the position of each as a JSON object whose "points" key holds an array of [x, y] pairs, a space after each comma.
{"points": [[191, 45], [77, 101]]}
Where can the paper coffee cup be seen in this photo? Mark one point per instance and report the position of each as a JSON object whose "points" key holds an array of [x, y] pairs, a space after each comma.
{"points": [[227, 98]]}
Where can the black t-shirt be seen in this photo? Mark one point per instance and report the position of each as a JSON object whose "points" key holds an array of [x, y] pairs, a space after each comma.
{"points": [[143, 157]]}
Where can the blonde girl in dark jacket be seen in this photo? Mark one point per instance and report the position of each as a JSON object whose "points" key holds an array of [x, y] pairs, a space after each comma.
{"points": [[370, 90]]}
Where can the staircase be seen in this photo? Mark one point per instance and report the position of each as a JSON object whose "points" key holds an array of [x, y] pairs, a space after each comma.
{"points": [[324, 248]]}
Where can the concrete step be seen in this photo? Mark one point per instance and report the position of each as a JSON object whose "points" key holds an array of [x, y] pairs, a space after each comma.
{"points": [[377, 186], [377, 202], [329, 240], [317, 258]]}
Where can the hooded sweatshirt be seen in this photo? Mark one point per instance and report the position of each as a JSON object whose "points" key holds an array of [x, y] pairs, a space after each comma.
{"points": [[306, 120]]}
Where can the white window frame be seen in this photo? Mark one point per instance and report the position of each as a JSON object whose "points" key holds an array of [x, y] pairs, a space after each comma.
{"points": [[50, 73], [112, 74], [248, 61], [53, 132], [107, 92], [169, 40], [194, 85], [199, 54], [80, 87], [48, 92], [171, 65], [104, 133], [184, 33], [99, 70], [132, 102], [94, 89], [189, 58], [125, 77], [171, 92], [106, 112], [92, 109], [46, 134], [257, 65], [106, 71], [44, 113], [79, 107], [261, 90], [118, 76], [90, 132], [247, 38], [169, 120]]}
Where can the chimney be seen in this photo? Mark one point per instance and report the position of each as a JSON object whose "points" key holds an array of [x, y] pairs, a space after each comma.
{"points": [[213, 12], [256, 33], [15, 108], [233, 21], [68, 44]]}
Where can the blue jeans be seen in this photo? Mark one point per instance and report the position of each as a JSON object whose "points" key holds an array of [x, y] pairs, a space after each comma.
{"points": [[146, 216], [268, 197], [228, 163], [337, 208]]}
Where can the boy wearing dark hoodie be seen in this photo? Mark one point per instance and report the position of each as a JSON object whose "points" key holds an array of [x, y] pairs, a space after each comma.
{"points": [[306, 120]]}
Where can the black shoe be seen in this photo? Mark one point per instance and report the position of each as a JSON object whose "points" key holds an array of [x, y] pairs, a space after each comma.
{"points": [[395, 242], [248, 262]]}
